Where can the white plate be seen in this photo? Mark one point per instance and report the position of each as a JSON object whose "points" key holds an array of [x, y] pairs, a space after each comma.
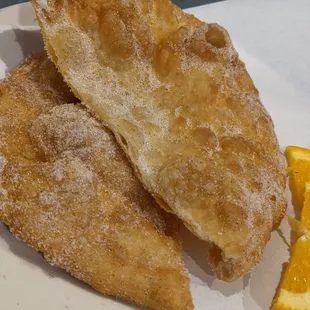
{"points": [[28, 282]]}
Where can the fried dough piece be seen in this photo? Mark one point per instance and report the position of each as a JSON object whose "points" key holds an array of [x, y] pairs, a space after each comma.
{"points": [[185, 111], [32, 88], [69, 192]]}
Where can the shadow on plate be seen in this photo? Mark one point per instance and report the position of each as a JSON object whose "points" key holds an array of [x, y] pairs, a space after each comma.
{"points": [[257, 288], [182, 3], [265, 277], [35, 260], [201, 273], [17, 44], [5, 3], [185, 4]]}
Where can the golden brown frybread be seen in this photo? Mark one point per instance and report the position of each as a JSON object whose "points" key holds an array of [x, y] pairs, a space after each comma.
{"points": [[184, 109], [67, 190]]}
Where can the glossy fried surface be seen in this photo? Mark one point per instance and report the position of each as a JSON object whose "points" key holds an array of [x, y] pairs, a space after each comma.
{"points": [[69, 192], [186, 112]]}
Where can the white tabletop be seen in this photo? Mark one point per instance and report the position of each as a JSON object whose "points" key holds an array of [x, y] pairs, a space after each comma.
{"points": [[276, 32]]}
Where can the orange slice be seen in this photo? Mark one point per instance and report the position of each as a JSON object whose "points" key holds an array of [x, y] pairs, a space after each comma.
{"points": [[294, 291], [305, 214], [297, 226], [298, 159]]}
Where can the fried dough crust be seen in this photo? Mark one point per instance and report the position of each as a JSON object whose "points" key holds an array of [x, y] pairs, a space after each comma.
{"points": [[68, 190], [184, 109]]}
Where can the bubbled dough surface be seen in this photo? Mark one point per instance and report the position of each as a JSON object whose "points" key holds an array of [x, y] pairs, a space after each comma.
{"points": [[69, 192], [186, 112]]}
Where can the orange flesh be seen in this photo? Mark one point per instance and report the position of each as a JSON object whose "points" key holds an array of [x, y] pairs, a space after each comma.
{"points": [[299, 172], [294, 290], [296, 278], [305, 214]]}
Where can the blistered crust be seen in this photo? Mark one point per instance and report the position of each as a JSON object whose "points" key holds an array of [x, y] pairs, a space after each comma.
{"points": [[186, 112], [67, 190]]}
